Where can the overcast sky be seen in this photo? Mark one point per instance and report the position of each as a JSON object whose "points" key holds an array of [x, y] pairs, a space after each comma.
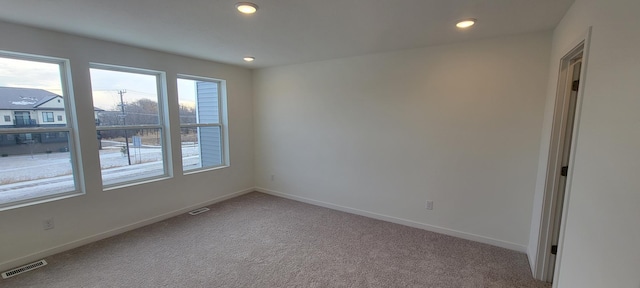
{"points": [[105, 84], [28, 74]]}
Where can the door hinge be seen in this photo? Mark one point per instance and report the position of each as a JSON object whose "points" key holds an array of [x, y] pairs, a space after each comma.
{"points": [[554, 249], [575, 85], [564, 170]]}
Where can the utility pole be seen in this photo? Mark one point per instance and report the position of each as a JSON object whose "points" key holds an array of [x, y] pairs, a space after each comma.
{"points": [[124, 123]]}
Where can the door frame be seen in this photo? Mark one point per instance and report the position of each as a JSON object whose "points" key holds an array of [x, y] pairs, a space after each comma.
{"points": [[563, 91]]}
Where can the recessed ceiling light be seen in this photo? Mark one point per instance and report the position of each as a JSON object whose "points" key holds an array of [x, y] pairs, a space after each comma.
{"points": [[249, 58], [247, 7], [466, 23]]}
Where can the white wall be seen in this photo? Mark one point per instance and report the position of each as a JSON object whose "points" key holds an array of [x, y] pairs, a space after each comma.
{"points": [[6, 113], [380, 134], [601, 245], [53, 103], [98, 214]]}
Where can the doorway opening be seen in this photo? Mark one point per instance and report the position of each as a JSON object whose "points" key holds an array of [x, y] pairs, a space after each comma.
{"points": [[562, 161], [560, 158]]}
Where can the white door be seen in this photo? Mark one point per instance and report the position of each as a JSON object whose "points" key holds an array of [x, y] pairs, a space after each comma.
{"points": [[573, 84]]}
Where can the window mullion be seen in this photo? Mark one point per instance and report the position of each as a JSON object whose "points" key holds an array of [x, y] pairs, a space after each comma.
{"points": [[128, 127], [34, 130], [196, 125]]}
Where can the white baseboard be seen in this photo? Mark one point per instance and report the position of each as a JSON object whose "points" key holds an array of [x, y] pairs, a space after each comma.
{"points": [[83, 241], [531, 263], [410, 223]]}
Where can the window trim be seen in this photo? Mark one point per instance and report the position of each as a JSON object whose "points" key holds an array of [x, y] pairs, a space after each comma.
{"points": [[163, 123], [64, 66], [222, 123]]}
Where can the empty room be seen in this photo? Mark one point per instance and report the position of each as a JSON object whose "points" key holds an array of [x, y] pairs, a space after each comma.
{"points": [[300, 143]]}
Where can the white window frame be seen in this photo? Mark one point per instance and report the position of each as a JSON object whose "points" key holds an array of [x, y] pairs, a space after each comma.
{"points": [[69, 128], [162, 126], [222, 122]]}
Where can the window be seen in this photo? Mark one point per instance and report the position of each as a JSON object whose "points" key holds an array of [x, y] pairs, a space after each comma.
{"points": [[130, 124], [23, 118], [47, 116], [33, 165], [201, 125], [59, 118]]}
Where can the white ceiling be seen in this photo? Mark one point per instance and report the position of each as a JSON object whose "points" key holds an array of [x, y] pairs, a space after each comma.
{"points": [[284, 31]]}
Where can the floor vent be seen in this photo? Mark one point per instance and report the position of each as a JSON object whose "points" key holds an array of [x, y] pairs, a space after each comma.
{"points": [[199, 210], [25, 268]]}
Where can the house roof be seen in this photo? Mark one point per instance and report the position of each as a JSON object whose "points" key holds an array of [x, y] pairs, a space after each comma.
{"points": [[24, 98], [12, 98]]}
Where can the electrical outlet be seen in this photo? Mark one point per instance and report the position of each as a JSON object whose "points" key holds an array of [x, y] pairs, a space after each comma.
{"points": [[429, 205], [47, 224]]}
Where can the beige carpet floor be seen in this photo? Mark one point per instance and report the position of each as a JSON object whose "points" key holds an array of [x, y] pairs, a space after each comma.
{"points": [[258, 240]]}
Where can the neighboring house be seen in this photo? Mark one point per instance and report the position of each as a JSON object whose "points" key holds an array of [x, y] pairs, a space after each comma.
{"points": [[27, 108], [209, 140]]}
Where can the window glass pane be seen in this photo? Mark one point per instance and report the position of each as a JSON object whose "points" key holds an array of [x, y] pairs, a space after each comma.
{"points": [[199, 110], [199, 101], [201, 147], [125, 99], [34, 165], [142, 160], [18, 73]]}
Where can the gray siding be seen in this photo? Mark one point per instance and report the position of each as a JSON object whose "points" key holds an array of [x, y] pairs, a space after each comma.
{"points": [[207, 102], [210, 146], [208, 112]]}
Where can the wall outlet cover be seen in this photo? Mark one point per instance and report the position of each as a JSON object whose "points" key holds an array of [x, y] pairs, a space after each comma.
{"points": [[429, 205]]}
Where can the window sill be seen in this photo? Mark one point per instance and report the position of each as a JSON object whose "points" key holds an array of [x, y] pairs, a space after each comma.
{"points": [[201, 170], [40, 200], [135, 183]]}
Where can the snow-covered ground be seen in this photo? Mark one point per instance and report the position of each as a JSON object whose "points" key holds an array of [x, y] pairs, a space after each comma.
{"points": [[31, 176]]}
